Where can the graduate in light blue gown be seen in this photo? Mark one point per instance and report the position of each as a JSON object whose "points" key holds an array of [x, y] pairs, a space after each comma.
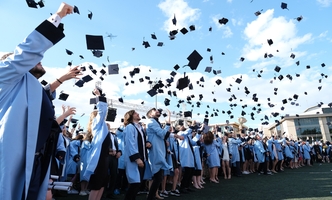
{"points": [[213, 161], [157, 153], [85, 149], [135, 152], [234, 143], [97, 169], [26, 110]]}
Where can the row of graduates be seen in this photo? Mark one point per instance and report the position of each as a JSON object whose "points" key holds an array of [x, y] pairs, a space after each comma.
{"points": [[151, 151]]}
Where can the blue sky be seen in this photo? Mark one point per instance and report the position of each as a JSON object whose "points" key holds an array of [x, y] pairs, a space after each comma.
{"points": [[245, 35]]}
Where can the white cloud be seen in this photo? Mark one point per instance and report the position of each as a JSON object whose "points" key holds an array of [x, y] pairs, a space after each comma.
{"points": [[325, 3], [282, 32], [185, 15]]}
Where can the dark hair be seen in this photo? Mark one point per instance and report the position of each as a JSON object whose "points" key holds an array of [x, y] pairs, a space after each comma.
{"points": [[128, 117], [208, 138]]}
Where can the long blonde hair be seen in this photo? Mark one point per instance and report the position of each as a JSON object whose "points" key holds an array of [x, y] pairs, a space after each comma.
{"points": [[92, 116]]}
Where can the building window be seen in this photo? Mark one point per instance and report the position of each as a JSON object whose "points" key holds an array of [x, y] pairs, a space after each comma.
{"points": [[329, 119], [308, 127], [327, 110]]}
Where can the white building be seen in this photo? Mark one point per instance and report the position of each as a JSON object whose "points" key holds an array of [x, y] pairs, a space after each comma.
{"points": [[315, 122]]}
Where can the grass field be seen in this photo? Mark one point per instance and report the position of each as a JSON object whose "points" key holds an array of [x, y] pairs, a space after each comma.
{"points": [[304, 183]]}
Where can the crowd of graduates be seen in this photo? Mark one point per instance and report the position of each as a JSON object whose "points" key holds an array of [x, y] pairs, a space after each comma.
{"points": [[194, 153]]}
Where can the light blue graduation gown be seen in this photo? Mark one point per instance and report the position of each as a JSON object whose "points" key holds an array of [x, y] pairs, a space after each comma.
{"points": [[287, 151], [72, 150], [186, 154], [157, 153], [259, 151], [120, 137], [213, 159], [306, 151], [20, 104], [99, 132], [234, 149], [131, 149], [85, 148]]}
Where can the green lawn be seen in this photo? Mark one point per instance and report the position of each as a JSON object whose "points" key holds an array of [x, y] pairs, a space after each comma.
{"points": [[304, 183]]}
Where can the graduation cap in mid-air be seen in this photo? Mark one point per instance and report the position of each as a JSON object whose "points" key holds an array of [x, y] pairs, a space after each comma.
{"points": [[194, 60], [63, 96], [284, 5], [113, 69], [95, 43]]}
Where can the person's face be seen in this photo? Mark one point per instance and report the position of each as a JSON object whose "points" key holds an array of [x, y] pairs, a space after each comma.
{"points": [[38, 71], [155, 113], [136, 117]]}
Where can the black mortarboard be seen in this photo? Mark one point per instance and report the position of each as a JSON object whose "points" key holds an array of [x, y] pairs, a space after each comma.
{"points": [[308, 66], [113, 69], [141, 80], [153, 36], [160, 44], [87, 78], [223, 21], [293, 56], [152, 92], [74, 120], [270, 41], [194, 59], [323, 64], [277, 69], [208, 69], [32, 3], [79, 83], [190, 86], [102, 71], [320, 87], [111, 114], [43, 82], [284, 101], [173, 73], [41, 3], [97, 53], [280, 77], [192, 27], [69, 52], [63, 96], [208, 50], [238, 80], [258, 13], [187, 114], [284, 5], [218, 81], [95, 42], [174, 20], [242, 59], [120, 99], [146, 44], [210, 29], [174, 93], [299, 18], [176, 67], [201, 79], [184, 30], [90, 15], [183, 83], [166, 102], [76, 10]]}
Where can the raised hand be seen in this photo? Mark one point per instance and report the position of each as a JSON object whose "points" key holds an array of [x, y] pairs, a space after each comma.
{"points": [[64, 10]]}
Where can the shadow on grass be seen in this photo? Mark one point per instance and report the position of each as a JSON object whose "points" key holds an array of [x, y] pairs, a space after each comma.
{"points": [[304, 183]]}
